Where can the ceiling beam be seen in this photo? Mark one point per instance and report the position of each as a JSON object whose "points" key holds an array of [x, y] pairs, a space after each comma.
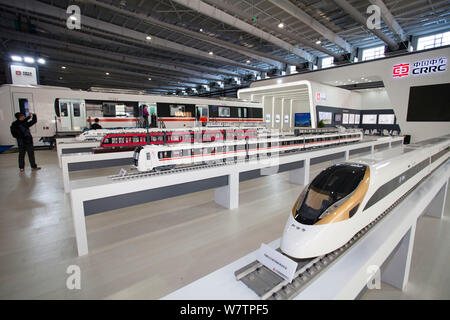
{"points": [[273, 28], [118, 57], [220, 15], [356, 15], [45, 9], [305, 18], [390, 20], [266, 58]]}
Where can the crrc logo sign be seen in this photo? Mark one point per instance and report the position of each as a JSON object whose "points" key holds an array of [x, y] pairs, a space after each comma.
{"points": [[428, 66]]}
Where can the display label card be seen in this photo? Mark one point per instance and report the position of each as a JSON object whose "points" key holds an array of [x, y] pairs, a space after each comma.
{"points": [[277, 262], [122, 172]]}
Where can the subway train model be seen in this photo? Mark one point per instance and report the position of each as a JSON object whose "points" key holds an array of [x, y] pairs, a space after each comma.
{"points": [[346, 197], [160, 157]]}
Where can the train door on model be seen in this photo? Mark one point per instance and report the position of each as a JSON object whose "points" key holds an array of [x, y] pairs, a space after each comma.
{"points": [[201, 113], [152, 109], [72, 115], [23, 102]]}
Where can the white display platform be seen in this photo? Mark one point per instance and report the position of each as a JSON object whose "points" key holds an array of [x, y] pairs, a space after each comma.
{"points": [[225, 179], [96, 159], [387, 246], [66, 145]]}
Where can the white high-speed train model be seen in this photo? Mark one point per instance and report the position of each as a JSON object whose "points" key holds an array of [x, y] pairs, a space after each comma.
{"points": [[150, 157], [346, 197]]}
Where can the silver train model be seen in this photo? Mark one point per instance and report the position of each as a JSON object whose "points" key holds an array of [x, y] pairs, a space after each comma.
{"points": [[157, 157], [346, 197]]}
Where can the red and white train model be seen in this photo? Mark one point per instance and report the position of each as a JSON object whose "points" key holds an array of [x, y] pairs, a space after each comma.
{"points": [[165, 156]]}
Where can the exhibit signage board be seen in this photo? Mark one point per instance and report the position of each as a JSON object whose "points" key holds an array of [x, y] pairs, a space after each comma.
{"points": [[23, 75], [277, 262], [427, 66]]}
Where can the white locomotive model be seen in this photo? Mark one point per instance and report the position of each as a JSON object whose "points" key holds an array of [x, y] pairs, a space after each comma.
{"points": [[157, 157], [346, 197]]}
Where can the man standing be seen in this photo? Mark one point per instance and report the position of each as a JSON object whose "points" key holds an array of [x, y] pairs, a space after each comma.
{"points": [[20, 129], [96, 125], [145, 116]]}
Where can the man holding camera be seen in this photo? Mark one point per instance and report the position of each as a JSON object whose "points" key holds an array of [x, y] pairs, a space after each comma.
{"points": [[20, 129]]}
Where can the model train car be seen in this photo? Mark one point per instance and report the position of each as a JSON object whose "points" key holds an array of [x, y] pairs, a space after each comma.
{"points": [[128, 140], [150, 157], [346, 197]]}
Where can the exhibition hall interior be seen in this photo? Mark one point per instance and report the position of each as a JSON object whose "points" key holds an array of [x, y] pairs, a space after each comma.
{"points": [[224, 150]]}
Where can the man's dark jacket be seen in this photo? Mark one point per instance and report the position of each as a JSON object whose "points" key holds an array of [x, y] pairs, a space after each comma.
{"points": [[22, 130]]}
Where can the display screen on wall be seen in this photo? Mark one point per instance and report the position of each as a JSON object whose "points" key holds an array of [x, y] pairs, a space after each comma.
{"points": [[357, 118], [386, 119], [345, 118], [369, 119], [351, 118], [303, 120], [325, 117], [429, 103]]}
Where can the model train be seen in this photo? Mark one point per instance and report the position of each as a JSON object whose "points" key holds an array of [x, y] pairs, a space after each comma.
{"points": [[157, 157], [346, 197], [127, 141]]}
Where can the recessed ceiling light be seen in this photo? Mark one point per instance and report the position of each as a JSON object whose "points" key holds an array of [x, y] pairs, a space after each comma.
{"points": [[107, 73], [148, 38], [149, 78], [28, 59], [63, 67], [60, 78], [201, 30], [248, 61], [318, 42], [16, 58], [41, 61], [281, 25], [211, 53]]}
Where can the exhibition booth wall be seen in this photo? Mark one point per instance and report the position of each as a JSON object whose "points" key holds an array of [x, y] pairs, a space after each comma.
{"points": [[282, 97]]}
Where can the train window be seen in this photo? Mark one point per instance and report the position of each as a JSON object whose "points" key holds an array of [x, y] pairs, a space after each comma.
{"points": [[148, 155], [76, 109], [136, 139], [330, 186], [177, 153], [64, 109]]}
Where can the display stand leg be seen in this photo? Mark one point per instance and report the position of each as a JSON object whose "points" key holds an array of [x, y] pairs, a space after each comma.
{"points": [[228, 196], [437, 205], [396, 271], [79, 222], [301, 175], [65, 176]]}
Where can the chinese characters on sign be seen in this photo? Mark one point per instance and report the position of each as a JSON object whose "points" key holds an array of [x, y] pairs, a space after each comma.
{"points": [[428, 66]]}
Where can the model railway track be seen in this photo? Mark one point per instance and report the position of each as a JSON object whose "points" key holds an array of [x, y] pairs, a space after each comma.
{"points": [[137, 175], [270, 286]]}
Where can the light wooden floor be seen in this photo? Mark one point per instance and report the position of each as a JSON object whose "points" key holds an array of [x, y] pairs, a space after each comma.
{"points": [[140, 252]]}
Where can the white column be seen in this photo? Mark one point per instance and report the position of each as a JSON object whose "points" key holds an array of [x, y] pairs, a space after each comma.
{"points": [[396, 272], [301, 175], [228, 196]]}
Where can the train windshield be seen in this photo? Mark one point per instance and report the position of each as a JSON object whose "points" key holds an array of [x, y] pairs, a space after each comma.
{"points": [[136, 155], [330, 186]]}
